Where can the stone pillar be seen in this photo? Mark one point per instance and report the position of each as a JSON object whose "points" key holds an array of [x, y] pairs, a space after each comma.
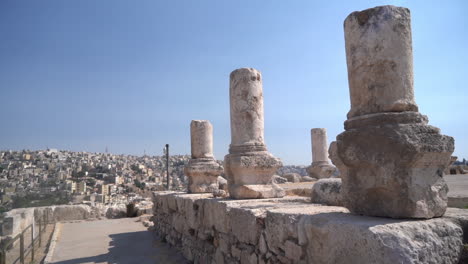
{"points": [[392, 161], [249, 166], [321, 166], [202, 169], [379, 55], [201, 138]]}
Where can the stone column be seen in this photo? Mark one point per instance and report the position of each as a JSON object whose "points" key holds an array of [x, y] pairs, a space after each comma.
{"points": [[249, 166], [321, 166], [202, 169], [393, 162], [379, 55]]}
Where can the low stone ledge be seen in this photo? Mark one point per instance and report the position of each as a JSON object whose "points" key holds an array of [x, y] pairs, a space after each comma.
{"points": [[293, 230]]}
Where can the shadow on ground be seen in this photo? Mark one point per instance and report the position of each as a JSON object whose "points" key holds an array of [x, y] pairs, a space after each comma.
{"points": [[132, 248]]}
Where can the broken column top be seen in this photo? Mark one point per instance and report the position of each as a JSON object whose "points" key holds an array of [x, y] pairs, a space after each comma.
{"points": [[380, 60], [246, 102], [319, 145], [201, 137]]}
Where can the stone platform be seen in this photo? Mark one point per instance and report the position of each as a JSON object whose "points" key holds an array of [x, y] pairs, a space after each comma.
{"points": [[293, 230]]}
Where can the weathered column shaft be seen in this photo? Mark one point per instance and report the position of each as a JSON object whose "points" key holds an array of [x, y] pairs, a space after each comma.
{"points": [[249, 166], [246, 102], [201, 137], [392, 160], [319, 145], [202, 170], [380, 60]]}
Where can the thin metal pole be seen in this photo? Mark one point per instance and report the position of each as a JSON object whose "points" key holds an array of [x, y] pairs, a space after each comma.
{"points": [[32, 244], [40, 233], [167, 165], [22, 247]]}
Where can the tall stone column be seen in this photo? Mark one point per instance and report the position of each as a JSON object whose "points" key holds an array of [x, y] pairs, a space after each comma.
{"points": [[392, 160], [202, 169], [321, 166], [249, 166]]}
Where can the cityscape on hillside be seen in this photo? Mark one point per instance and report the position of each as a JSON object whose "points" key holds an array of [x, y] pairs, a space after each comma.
{"points": [[52, 177], [55, 177]]}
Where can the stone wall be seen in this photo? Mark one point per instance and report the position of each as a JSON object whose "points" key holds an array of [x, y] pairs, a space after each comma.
{"points": [[16, 220], [293, 230]]}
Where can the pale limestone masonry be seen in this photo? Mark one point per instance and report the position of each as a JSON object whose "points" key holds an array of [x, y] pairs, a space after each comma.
{"points": [[379, 54], [391, 160], [321, 166], [292, 230], [202, 170], [249, 167]]}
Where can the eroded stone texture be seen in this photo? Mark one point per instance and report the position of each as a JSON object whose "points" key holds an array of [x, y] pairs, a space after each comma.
{"points": [[380, 60], [202, 170], [249, 166], [292, 230], [391, 160], [328, 192], [321, 166]]}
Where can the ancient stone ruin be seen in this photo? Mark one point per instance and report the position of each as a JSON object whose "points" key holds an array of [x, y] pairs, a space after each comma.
{"points": [[390, 162], [202, 170], [321, 166], [249, 166], [392, 159]]}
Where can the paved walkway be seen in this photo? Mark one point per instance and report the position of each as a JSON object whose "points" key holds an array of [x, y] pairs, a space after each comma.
{"points": [[458, 184], [119, 241]]}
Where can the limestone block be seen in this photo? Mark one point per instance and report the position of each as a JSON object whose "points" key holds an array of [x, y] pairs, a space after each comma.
{"points": [[278, 179], [379, 56], [249, 175], [346, 238], [321, 171], [203, 175], [394, 166], [222, 183], [292, 177], [215, 215], [307, 179], [335, 159], [328, 192], [292, 251], [244, 225]]}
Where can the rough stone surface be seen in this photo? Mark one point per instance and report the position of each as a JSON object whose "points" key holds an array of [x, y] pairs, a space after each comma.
{"points": [[278, 179], [292, 230], [391, 161], [307, 179], [249, 166], [379, 56], [396, 169], [293, 177], [202, 170], [328, 192]]}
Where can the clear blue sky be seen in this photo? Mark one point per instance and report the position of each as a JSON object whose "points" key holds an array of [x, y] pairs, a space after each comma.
{"points": [[131, 75]]}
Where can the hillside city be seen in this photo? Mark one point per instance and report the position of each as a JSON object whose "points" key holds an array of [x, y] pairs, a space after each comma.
{"points": [[53, 177]]}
